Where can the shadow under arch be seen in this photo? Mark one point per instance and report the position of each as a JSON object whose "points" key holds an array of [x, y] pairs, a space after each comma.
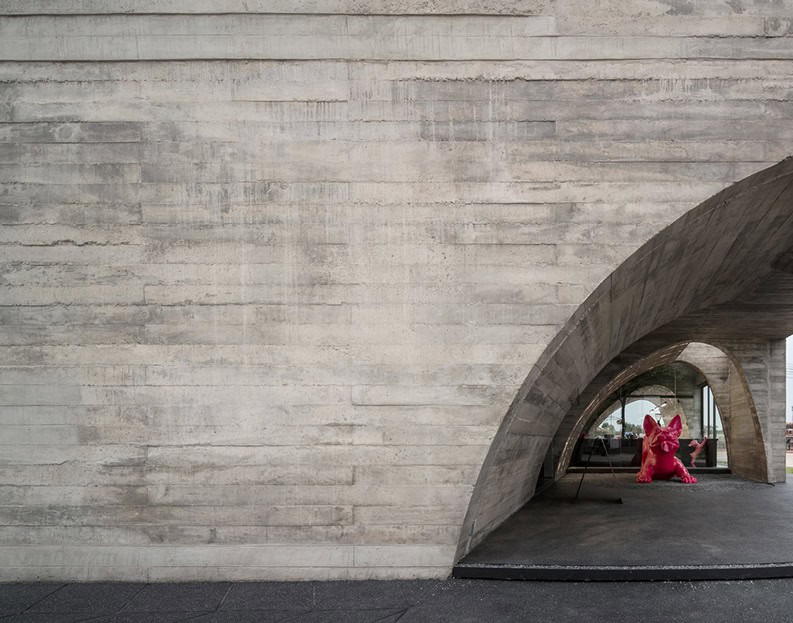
{"points": [[700, 279]]}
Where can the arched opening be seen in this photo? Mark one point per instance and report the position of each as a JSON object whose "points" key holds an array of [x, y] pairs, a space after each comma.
{"points": [[566, 535], [723, 275], [614, 433], [614, 439]]}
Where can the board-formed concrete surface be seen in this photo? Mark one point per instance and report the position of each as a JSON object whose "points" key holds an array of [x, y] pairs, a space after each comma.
{"points": [[272, 272]]}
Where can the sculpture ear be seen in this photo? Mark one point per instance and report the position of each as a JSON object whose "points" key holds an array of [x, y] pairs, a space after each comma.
{"points": [[649, 424], [676, 426]]}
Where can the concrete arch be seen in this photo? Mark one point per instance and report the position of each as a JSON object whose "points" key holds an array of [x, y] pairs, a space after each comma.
{"points": [[602, 386], [720, 273], [722, 370], [745, 443]]}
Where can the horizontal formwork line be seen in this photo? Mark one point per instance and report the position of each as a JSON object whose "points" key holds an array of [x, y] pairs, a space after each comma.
{"points": [[357, 110], [212, 567], [173, 387], [484, 59], [272, 183], [248, 168], [132, 526], [461, 151], [481, 78], [186, 219], [262, 428], [228, 222], [24, 142], [276, 507], [226, 403], [550, 20], [134, 13], [652, 111], [266, 9], [406, 368], [175, 567], [313, 447], [378, 62], [254, 306], [190, 485], [224, 225], [189, 102], [561, 142]]}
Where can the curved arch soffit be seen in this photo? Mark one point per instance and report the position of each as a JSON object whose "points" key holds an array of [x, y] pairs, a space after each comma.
{"points": [[729, 412], [585, 418], [598, 392]]}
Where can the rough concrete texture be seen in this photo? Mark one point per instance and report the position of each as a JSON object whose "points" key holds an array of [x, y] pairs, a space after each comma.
{"points": [[745, 426], [269, 280]]}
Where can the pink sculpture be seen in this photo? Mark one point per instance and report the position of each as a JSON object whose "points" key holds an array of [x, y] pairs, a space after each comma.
{"points": [[698, 446], [658, 452]]}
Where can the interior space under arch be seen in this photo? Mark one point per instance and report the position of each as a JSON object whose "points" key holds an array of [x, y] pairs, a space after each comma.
{"points": [[714, 376], [721, 275]]}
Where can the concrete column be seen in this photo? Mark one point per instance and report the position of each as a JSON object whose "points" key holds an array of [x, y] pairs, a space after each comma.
{"points": [[744, 440], [748, 383], [762, 367]]}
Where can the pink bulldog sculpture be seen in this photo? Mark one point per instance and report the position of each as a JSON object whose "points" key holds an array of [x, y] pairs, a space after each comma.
{"points": [[658, 452], [698, 447]]}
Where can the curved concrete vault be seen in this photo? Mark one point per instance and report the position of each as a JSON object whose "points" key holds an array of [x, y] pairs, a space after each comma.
{"points": [[733, 392], [722, 274]]}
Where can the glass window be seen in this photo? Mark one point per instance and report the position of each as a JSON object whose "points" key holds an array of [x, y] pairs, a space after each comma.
{"points": [[610, 425], [634, 416]]}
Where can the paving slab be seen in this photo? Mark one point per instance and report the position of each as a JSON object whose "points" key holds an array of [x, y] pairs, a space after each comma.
{"points": [[143, 617], [95, 598], [247, 616], [288, 596], [45, 617], [369, 594], [189, 597], [348, 616], [16, 598]]}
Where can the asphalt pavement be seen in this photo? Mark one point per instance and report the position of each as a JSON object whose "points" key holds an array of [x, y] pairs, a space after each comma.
{"points": [[440, 601]]}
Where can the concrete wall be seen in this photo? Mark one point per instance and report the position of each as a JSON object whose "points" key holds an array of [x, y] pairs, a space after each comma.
{"points": [[270, 279]]}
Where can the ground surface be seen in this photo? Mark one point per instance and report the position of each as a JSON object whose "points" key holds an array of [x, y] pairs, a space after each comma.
{"points": [[722, 520], [458, 601], [709, 512]]}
